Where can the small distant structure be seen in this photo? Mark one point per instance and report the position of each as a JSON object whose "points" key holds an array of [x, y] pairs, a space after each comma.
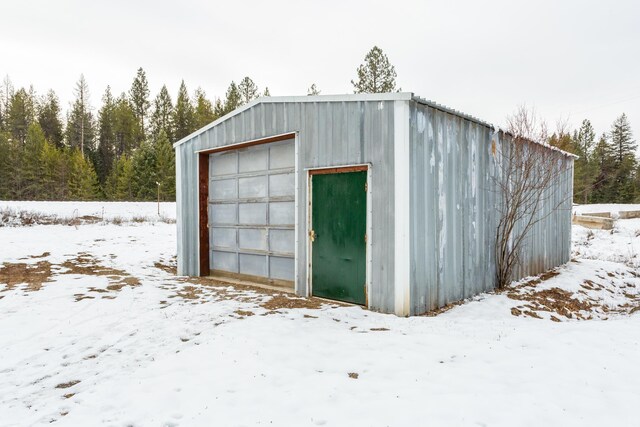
{"points": [[383, 200], [602, 220]]}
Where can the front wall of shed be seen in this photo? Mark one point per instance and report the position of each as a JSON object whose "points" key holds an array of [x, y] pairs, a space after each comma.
{"points": [[329, 134], [453, 211]]}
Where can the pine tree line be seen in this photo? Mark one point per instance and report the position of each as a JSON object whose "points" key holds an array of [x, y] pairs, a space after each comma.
{"points": [[607, 170], [122, 152]]}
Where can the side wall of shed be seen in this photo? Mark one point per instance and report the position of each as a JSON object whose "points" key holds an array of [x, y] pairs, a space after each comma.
{"points": [[454, 211], [329, 134]]}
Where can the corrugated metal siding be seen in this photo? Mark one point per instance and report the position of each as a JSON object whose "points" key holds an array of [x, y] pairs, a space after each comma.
{"points": [[330, 134], [453, 211]]}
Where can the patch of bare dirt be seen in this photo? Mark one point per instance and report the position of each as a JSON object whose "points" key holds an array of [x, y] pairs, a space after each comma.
{"points": [[244, 313], [553, 300], [605, 294], [33, 275], [167, 268], [281, 301], [43, 255], [353, 375], [443, 309], [86, 264], [69, 384]]}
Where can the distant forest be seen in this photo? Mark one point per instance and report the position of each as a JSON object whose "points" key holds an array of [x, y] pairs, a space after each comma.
{"points": [[124, 151]]}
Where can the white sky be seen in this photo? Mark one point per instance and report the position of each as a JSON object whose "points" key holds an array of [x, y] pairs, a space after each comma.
{"points": [[569, 59]]}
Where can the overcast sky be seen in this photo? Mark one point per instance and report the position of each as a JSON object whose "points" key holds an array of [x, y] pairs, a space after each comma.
{"points": [[568, 59]]}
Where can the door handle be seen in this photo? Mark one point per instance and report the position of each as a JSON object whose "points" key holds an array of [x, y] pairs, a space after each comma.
{"points": [[312, 235]]}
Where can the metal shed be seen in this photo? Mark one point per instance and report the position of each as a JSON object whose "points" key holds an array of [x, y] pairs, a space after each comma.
{"points": [[384, 200]]}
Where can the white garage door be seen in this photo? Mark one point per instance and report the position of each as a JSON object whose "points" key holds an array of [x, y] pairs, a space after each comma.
{"points": [[252, 211]]}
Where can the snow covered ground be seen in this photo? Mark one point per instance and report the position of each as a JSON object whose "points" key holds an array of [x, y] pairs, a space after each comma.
{"points": [[98, 211], [622, 244], [96, 330], [604, 207]]}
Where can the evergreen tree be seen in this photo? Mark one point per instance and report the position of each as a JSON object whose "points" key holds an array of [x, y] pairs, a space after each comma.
{"points": [[79, 131], [266, 92], [6, 89], [585, 170], [144, 185], [562, 141], [162, 117], [30, 163], [203, 111], [623, 146], [83, 181], [248, 90], [126, 128], [50, 120], [119, 184], [313, 90], [165, 168], [6, 165], [106, 136], [622, 138], [183, 116], [53, 169], [233, 99], [376, 74], [20, 114], [218, 109], [585, 139], [139, 95], [604, 163]]}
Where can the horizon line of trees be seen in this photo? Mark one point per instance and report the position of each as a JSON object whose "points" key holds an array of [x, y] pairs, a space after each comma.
{"points": [[124, 151]]}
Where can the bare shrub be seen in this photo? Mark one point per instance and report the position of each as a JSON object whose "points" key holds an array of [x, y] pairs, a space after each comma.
{"points": [[528, 178]]}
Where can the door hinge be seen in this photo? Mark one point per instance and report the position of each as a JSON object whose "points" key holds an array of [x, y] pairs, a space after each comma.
{"points": [[365, 237], [366, 186]]}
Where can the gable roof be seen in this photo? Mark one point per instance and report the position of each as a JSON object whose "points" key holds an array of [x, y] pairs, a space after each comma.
{"points": [[397, 96]]}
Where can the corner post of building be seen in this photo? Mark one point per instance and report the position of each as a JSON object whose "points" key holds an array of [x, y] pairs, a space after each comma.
{"points": [[402, 241]]}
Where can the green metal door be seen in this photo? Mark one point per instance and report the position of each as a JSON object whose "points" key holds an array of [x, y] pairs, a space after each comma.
{"points": [[339, 226]]}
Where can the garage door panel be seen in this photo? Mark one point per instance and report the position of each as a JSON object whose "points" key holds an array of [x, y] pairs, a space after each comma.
{"points": [[224, 189], [225, 261], [252, 239], [282, 241], [224, 237], [253, 213], [255, 265], [281, 185], [253, 187], [253, 159], [282, 156], [223, 214], [224, 164], [281, 213], [281, 268]]}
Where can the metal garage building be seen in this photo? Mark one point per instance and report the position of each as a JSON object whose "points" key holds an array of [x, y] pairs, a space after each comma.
{"points": [[384, 200]]}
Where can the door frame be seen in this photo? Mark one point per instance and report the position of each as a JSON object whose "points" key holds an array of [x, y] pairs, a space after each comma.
{"points": [[202, 201], [358, 167]]}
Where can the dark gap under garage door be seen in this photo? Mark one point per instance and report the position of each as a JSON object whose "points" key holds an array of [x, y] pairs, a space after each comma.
{"points": [[252, 213]]}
